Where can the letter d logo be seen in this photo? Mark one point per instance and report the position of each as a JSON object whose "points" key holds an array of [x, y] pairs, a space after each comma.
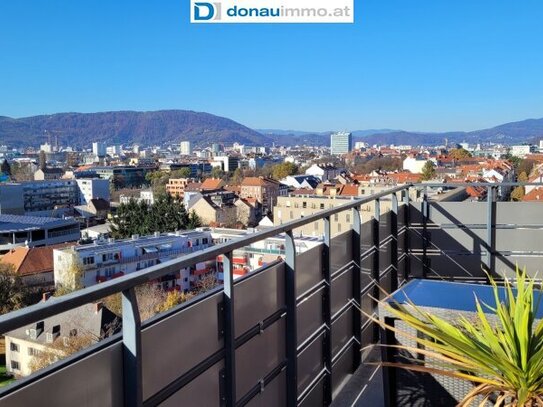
{"points": [[206, 11]]}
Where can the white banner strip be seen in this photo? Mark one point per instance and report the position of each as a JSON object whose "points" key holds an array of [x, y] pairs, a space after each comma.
{"points": [[271, 11]]}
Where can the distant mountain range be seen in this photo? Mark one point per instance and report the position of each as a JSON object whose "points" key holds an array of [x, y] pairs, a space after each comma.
{"points": [[173, 126], [148, 128]]}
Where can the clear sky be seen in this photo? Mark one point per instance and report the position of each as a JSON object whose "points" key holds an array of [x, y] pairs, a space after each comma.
{"points": [[412, 64]]}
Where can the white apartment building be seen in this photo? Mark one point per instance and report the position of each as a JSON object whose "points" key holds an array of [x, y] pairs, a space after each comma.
{"points": [[107, 259], [92, 188], [185, 148]]}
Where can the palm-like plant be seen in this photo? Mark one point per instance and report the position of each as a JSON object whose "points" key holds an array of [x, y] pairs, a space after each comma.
{"points": [[502, 356]]}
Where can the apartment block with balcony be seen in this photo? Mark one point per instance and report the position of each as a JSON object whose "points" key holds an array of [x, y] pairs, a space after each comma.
{"points": [[108, 259]]}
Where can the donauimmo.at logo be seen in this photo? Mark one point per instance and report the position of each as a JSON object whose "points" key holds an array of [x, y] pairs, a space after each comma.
{"points": [[273, 11]]}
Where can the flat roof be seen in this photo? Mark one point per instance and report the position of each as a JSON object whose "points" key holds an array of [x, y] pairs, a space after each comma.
{"points": [[18, 223]]}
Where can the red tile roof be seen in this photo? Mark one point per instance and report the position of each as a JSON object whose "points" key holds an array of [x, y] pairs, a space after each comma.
{"points": [[212, 184], [535, 194], [33, 260]]}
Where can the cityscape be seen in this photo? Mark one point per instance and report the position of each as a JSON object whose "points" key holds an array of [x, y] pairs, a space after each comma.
{"points": [[298, 214]]}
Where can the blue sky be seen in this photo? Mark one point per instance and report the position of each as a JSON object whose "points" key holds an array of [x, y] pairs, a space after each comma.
{"points": [[425, 65]]}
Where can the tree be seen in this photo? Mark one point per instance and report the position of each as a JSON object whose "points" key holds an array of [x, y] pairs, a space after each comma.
{"points": [[166, 214], [12, 290], [6, 168], [174, 298], [73, 280], [459, 153], [42, 160], [181, 173], [237, 177], [523, 177], [428, 171], [518, 193], [283, 170], [217, 172]]}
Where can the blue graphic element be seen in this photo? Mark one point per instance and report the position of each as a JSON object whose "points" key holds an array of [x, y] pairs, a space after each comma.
{"points": [[198, 7]]}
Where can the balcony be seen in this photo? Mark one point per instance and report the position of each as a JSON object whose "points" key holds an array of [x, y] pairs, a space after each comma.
{"points": [[291, 333]]}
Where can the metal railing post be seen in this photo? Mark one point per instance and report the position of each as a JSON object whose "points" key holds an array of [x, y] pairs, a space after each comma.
{"points": [[327, 311], [229, 332], [375, 264], [394, 243], [490, 240], [406, 241], [132, 371], [291, 327], [425, 209], [357, 285]]}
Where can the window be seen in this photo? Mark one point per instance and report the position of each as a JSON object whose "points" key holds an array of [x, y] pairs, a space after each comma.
{"points": [[13, 347], [322, 206], [204, 240], [336, 217], [339, 227], [304, 205], [348, 217], [88, 260], [14, 365], [109, 271], [33, 352]]}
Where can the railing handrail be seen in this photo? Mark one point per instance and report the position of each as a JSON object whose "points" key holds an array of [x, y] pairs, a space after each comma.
{"points": [[54, 306]]}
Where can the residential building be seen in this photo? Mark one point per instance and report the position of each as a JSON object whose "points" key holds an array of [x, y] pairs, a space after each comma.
{"points": [[107, 259], [301, 181], [264, 190], [341, 143], [324, 172], [48, 174], [185, 148], [34, 265], [415, 164], [92, 188], [176, 186], [99, 149], [521, 151], [33, 231], [146, 195], [92, 321], [216, 209]]}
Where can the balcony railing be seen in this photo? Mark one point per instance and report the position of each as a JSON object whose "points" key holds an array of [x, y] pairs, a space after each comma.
{"points": [[290, 333]]}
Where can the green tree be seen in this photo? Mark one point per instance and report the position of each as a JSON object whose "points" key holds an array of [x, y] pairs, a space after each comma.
{"points": [[217, 172], [283, 170], [13, 293], [459, 153], [237, 176], [167, 214], [181, 173], [428, 171]]}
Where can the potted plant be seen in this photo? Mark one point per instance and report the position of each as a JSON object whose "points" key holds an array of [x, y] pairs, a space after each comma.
{"points": [[499, 350]]}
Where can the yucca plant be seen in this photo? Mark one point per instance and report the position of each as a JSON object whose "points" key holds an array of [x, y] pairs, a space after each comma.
{"points": [[500, 351]]}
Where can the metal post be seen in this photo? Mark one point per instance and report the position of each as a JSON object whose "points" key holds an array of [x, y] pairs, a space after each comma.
{"points": [[327, 312], [394, 244], [229, 332], [425, 233], [356, 248], [406, 241], [132, 373], [375, 264], [387, 355], [291, 328], [490, 240]]}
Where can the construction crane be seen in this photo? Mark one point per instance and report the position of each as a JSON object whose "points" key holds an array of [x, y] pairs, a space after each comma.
{"points": [[56, 133]]}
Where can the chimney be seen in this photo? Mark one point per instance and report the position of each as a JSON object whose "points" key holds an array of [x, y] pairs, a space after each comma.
{"points": [[45, 296], [98, 306]]}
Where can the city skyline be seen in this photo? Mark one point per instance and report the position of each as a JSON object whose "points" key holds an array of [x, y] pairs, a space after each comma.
{"points": [[428, 67]]}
